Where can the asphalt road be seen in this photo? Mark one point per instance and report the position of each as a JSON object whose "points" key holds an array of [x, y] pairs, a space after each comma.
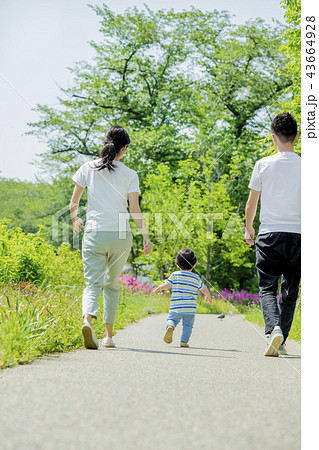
{"points": [[221, 393]]}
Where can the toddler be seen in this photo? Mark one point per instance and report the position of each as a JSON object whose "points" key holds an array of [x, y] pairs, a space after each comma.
{"points": [[185, 286]]}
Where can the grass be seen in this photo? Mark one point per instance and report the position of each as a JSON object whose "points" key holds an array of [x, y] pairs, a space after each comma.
{"points": [[255, 315], [35, 321], [252, 314]]}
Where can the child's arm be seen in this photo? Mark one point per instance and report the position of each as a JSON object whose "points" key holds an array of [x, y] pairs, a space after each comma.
{"points": [[207, 295], [138, 219], [74, 207], [250, 212], [162, 287]]}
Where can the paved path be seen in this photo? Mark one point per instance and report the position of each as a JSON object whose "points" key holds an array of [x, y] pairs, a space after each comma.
{"points": [[220, 394]]}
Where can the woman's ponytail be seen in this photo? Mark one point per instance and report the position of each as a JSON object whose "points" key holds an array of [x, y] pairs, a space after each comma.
{"points": [[115, 139], [107, 155]]}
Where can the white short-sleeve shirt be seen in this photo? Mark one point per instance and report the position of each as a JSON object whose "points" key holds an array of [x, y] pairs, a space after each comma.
{"points": [[278, 178], [107, 195]]}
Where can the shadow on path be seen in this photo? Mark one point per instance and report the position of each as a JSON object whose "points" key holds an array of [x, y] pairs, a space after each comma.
{"points": [[217, 349], [186, 353]]}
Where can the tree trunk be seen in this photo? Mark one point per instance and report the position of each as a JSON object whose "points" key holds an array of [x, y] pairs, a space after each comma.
{"points": [[208, 263]]}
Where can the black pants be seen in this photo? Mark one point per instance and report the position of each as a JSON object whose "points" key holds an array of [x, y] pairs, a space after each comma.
{"points": [[278, 255]]}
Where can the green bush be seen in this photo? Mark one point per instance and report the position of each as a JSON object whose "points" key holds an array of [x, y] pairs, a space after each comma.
{"points": [[27, 257]]}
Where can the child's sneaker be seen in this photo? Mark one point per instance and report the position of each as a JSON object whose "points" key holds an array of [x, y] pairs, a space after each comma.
{"points": [[275, 340], [108, 342], [184, 344], [169, 335], [89, 338], [282, 350]]}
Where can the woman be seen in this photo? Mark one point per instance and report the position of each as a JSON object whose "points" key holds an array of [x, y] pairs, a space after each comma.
{"points": [[107, 237]]}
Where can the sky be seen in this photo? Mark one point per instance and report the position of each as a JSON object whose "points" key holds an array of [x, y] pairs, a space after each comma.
{"points": [[39, 39]]}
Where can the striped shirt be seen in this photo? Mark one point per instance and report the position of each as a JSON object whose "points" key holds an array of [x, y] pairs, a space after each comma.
{"points": [[185, 286]]}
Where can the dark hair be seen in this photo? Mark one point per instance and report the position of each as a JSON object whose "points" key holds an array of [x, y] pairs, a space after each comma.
{"points": [[284, 126], [114, 140], [186, 259]]}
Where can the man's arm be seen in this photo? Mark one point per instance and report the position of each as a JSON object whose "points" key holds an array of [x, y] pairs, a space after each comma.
{"points": [[250, 213]]}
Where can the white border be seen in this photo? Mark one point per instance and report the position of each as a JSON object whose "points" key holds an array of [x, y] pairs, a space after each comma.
{"points": [[310, 236]]}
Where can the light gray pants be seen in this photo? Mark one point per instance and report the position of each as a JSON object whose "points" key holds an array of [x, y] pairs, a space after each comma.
{"points": [[104, 256]]}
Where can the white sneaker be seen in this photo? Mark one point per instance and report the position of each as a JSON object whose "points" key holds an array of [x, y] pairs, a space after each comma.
{"points": [[108, 342], [89, 338], [275, 340], [282, 350]]}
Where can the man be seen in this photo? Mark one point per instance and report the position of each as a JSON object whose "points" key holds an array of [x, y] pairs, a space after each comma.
{"points": [[277, 179]]}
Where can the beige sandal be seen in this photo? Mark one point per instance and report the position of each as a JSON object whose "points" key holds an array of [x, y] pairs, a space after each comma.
{"points": [[169, 335]]}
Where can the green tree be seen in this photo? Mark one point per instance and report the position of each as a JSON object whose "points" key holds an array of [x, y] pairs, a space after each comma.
{"points": [[135, 80], [196, 94], [292, 50], [204, 220], [167, 77], [30, 206]]}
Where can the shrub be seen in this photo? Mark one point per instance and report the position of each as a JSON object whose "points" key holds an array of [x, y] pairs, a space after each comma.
{"points": [[28, 258]]}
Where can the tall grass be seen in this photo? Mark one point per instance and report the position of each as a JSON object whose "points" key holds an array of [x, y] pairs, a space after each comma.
{"points": [[38, 321], [255, 315]]}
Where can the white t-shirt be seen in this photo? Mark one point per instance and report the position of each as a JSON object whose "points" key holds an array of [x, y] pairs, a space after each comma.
{"points": [[278, 179], [107, 195]]}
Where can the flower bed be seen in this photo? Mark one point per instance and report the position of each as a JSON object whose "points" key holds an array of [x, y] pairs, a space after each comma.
{"points": [[243, 297], [129, 283]]}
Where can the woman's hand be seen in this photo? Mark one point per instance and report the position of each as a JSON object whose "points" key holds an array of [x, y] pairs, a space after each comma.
{"points": [[147, 245], [77, 225], [74, 208], [137, 216]]}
